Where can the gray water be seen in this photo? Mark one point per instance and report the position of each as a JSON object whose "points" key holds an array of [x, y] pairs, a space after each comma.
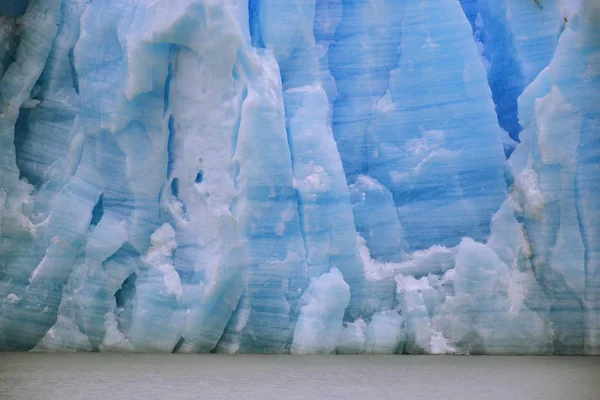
{"points": [[32, 376]]}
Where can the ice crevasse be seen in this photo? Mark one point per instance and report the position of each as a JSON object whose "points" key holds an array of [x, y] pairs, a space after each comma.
{"points": [[300, 176]]}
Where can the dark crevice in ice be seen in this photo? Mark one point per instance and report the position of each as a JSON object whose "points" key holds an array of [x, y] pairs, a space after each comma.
{"points": [[13, 8], [254, 24], [171, 146], [172, 52], [10, 44], [505, 78], [98, 211], [171, 152], [22, 136], [74, 74], [178, 345], [199, 177], [126, 292], [124, 298], [175, 187], [230, 332]]}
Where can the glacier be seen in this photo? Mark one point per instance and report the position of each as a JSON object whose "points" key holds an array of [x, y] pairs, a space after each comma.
{"points": [[300, 176]]}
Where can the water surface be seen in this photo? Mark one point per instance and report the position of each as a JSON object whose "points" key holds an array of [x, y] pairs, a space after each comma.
{"points": [[90, 376]]}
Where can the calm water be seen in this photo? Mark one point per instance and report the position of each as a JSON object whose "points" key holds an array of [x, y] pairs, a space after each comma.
{"points": [[118, 376]]}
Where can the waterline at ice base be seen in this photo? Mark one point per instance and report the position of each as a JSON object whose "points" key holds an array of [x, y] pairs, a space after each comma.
{"points": [[300, 176]]}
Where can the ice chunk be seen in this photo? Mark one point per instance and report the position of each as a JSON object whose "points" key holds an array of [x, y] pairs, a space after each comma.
{"points": [[319, 325], [376, 219], [385, 334], [156, 316], [419, 301], [114, 340], [414, 310], [63, 336], [352, 339], [486, 314]]}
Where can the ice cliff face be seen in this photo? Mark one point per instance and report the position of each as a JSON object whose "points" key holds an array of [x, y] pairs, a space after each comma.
{"points": [[304, 176]]}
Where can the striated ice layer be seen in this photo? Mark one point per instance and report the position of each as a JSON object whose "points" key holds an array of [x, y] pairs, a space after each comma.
{"points": [[299, 176], [37, 248], [435, 141], [363, 50], [399, 119], [326, 217]]}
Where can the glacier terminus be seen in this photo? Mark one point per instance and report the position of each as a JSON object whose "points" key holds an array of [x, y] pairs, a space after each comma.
{"points": [[300, 176]]}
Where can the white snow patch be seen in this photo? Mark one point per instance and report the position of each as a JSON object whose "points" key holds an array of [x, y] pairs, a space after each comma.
{"points": [[374, 270], [516, 293], [430, 44], [12, 298], [159, 257], [439, 344], [29, 104], [318, 179], [242, 320], [386, 103], [38, 269], [410, 283], [527, 184], [114, 340], [171, 280]]}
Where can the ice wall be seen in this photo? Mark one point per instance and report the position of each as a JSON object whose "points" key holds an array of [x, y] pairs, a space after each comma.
{"points": [[555, 174], [31, 237], [303, 176]]}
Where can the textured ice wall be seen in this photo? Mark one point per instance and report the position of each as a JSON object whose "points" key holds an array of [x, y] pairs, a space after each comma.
{"points": [[556, 179], [299, 176], [423, 148]]}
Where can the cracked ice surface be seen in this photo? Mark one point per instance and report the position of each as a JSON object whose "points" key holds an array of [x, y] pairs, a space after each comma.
{"points": [[304, 176]]}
